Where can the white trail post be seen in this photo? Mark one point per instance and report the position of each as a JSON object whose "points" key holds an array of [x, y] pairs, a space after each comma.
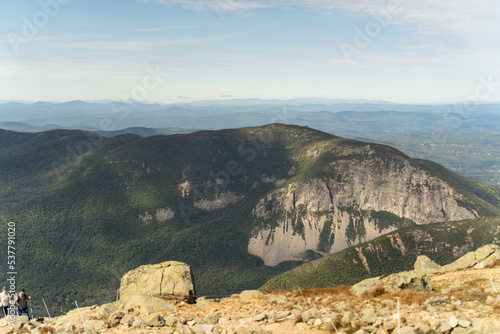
{"points": [[43, 300], [303, 298], [331, 321], [83, 323]]}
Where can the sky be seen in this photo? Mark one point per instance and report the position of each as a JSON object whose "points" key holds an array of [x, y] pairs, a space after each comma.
{"points": [[169, 51]]}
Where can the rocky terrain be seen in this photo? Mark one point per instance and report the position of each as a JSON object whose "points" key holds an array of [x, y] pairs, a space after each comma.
{"points": [[459, 298]]}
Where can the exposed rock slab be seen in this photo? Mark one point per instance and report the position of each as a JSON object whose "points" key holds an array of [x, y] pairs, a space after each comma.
{"points": [[417, 279], [480, 258], [393, 185], [425, 265], [412, 280]]}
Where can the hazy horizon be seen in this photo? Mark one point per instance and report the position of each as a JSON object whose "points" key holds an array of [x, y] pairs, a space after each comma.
{"points": [[171, 51]]}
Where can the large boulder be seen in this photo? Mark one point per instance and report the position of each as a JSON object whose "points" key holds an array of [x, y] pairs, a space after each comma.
{"points": [[426, 265], [167, 280], [481, 258], [412, 280], [478, 257], [489, 261]]}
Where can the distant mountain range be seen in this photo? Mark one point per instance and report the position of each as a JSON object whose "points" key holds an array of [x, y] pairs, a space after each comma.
{"points": [[466, 140], [355, 116], [231, 101], [240, 205]]}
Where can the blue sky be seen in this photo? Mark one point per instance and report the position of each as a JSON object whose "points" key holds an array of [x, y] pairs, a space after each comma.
{"points": [[397, 50]]}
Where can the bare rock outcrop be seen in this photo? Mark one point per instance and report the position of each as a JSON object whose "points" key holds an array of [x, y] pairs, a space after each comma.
{"points": [[167, 280], [481, 258], [412, 280], [393, 185], [417, 279]]}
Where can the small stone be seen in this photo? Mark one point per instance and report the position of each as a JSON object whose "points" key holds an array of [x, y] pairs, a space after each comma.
{"points": [[422, 328], [348, 317], [370, 316], [127, 319], [434, 323], [259, 317], [137, 323], [453, 322], [444, 328], [185, 318], [310, 314], [153, 320], [186, 330], [464, 323], [204, 328], [271, 317], [408, 330], [389, 325], [277, 299], [378, 323], [170, 321], [212, 319], [115, 318], [282, 315]]}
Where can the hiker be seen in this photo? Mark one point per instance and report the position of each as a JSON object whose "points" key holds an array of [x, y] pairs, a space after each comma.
{"points": [[4, 301], [22, 300]]}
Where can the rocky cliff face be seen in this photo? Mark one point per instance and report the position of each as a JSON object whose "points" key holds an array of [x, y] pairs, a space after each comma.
{"points": [[339, 207]]}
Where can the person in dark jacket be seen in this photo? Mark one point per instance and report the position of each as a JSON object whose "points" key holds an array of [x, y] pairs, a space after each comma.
{"points": [[22, 300]]}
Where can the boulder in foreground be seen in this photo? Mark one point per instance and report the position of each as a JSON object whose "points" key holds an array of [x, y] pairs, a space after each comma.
{"points": [[166, 280]]}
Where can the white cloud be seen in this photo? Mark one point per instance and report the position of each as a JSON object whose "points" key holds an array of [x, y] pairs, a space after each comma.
{"points": [[424, 16], [180, 27], [218, 5], [140, 46]]}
